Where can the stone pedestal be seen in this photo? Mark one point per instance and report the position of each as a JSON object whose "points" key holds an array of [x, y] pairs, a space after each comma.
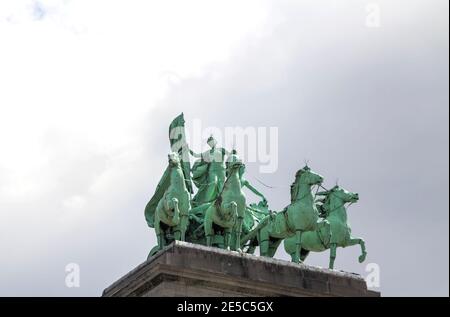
{"points": [[188, 270]]}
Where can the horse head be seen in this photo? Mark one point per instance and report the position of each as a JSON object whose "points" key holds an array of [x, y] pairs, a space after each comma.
{"points": [[307, 177], [234, 163], [337, 196], [344, 195], [171, 209], [174, 159]]}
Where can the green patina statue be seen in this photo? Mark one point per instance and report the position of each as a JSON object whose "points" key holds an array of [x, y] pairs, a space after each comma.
{"points": [[331, 234], [227, 211], [299, 217], [208, 173], [219, 214], [168, 210]]}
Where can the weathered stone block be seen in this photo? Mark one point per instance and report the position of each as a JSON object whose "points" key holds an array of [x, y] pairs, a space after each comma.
{"points": [[185, 269]]}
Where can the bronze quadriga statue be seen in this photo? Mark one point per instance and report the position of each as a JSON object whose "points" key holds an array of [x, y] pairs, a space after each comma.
{"points": [[219, 215]]}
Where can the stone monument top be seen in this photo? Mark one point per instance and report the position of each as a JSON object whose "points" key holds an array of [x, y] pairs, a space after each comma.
{"points": [[218, 214], [188, 270], [206, 237]]}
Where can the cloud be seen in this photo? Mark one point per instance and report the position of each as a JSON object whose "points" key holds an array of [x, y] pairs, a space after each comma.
{"points": [[38, 11], [88, 92], [366, 106], [79, 89]]}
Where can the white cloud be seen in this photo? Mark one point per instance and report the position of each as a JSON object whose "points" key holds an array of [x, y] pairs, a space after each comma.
{"points": [[78, 83], [87, 71], [82, 90]]}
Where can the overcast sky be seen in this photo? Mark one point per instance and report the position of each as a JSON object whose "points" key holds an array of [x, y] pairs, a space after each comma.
{"points": [[88, 89]]}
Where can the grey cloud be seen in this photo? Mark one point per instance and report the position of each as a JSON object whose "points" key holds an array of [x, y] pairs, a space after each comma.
{"points": [[367, 106]]}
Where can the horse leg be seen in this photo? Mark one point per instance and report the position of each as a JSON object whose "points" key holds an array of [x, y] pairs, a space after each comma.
{"points": [[252, 246], [240, 219], [360, 241], [290, 250], [184, 222], [273, 246], [264, 243], [294, 258], [333, 247], [176, 211], [298, 245], [159, 234], [303, 255], [209, 231], [219, 241], [227, 238], [177, 235], [251, 249], [183, 232], [197, 232]]}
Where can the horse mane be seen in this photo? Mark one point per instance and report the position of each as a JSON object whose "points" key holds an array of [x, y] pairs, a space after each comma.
{"points": [[227, 179], [325, 202], [175, 166], [295, 184], [219, 196]]}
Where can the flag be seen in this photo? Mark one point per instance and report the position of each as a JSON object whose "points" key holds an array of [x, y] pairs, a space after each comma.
{"points": [[178, 144]]}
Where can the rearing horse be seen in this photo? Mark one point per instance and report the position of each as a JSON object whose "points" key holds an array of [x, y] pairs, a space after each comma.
{"points": [[300, 216], [227, 211], [336, 233]]}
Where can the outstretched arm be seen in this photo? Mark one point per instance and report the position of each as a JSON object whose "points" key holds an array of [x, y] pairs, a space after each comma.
{"points": [[194, 154]]}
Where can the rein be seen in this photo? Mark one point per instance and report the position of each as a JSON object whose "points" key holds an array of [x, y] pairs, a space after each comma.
{"points": [[338, 207]]}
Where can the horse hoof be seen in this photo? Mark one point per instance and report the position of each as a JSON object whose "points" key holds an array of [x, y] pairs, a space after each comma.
{"points": [[362, 258]]}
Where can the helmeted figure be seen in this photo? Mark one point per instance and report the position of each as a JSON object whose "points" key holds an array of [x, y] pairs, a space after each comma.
{"points": [[208, 173], [252, 213]]}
